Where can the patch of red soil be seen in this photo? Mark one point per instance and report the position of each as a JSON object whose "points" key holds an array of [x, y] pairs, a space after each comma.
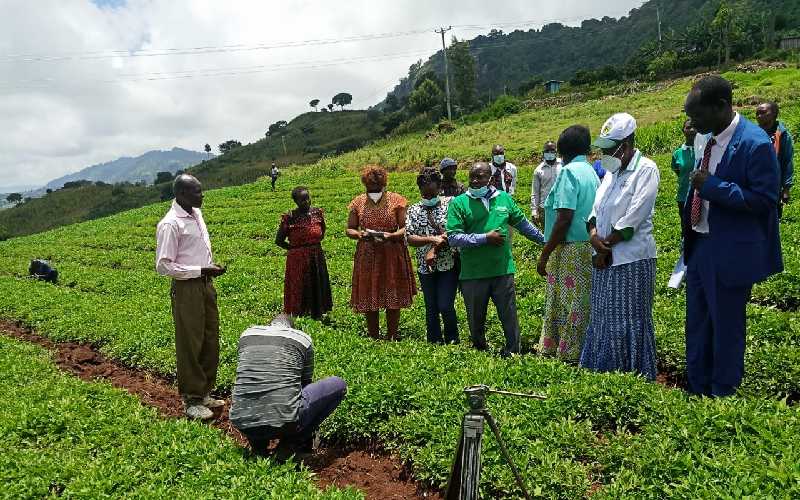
{"points": [[376, 474]]}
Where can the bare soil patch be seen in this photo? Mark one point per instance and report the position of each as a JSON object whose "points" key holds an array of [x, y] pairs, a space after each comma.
{"points": [[376, 474]]}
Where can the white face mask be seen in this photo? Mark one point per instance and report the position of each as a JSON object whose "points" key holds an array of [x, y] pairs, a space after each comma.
{"points": [[499, 159], [375, 197], [610, 163], [549, 157]]}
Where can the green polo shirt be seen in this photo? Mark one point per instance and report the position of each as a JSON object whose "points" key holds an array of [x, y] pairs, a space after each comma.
{"points": [[466, 215], [574, 189], [682, 164]]}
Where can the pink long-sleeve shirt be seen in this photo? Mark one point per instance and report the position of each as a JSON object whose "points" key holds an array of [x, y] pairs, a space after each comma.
{"points": [[183, 246]]}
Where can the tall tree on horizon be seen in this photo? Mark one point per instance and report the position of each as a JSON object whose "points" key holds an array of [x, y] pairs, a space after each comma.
{"points": [[314, 103], [207, 149], [342, 99]]}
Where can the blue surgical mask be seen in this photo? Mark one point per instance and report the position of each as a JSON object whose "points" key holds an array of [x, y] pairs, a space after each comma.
{"points": [[499, 159], [430, 202], [479, 192], [549, 157]]}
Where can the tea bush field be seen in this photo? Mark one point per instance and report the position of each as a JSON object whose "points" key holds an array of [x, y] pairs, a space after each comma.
{"points": [[64, 437], [616, 434]]}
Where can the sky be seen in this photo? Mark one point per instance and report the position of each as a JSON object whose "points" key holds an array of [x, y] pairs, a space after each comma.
{"points": [[84, 82]]}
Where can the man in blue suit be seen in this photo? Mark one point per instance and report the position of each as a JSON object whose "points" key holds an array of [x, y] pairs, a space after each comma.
{"points": [[731, 238]]}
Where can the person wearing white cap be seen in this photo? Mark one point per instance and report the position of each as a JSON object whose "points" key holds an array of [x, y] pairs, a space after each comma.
{"points": [[621, 336]]}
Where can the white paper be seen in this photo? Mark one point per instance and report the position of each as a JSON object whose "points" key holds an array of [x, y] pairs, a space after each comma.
{"points": [[678, 273]]}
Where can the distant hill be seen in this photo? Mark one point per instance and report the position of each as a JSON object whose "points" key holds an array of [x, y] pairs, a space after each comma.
{"points": [[308, 138], [141, 168]]}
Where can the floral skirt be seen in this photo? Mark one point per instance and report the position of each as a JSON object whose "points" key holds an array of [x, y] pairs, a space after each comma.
{"points": [[566, 314], [621, 336], [383, 277]]}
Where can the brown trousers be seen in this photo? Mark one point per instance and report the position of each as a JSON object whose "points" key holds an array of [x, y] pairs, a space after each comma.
{"points": [[194, 309]]}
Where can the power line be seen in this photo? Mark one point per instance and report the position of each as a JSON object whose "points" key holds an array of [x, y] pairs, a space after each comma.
{"points": [[213, 49], [234, 71]]}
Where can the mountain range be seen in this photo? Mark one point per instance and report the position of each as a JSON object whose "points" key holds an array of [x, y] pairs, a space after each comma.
{"points": [[141, 168]]}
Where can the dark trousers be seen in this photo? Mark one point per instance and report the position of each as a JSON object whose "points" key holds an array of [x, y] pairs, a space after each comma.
{"points": [[439, 289], [317, 402], [681, 213], [273, 182], [502, 292], [194, 310], [715, 327]]}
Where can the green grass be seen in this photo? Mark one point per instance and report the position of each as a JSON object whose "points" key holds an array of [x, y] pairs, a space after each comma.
{"points": [[633, 438], [64, 437]]}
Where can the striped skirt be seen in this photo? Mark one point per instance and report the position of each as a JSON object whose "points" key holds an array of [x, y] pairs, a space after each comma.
{"points": [[621, 336], [566, 312]]}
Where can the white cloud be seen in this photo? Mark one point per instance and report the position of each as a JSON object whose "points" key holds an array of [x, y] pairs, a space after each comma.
{"points": [[61, 115]]}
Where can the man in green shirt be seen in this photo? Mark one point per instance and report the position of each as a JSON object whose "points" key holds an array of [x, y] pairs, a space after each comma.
{"points": [[477, 224], [683, 160]]}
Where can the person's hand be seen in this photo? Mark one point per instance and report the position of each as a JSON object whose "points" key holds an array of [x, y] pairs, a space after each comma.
{"points": [[363, 235], [213, 271], [786, 195], [495, 238], [430, 257], [599, 244], [541, 267], [698, 178], [601, 260], [439, 240]]}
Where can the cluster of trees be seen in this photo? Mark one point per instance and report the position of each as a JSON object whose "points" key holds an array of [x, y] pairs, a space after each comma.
{"points": [[725, 30], [341, 99], [229, 145], [426, 101]]}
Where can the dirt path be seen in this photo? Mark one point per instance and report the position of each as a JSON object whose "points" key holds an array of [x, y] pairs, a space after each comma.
{"points": [[376, 474]]}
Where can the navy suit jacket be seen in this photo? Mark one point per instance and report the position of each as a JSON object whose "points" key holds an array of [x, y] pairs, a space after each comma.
{"points": [[743, 210]]}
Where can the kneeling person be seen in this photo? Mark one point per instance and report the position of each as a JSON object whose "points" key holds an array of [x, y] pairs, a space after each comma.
{"points": [[273, 396]]}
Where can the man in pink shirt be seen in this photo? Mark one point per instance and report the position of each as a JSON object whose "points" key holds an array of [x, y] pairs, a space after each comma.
{"points": [[183, 253]]}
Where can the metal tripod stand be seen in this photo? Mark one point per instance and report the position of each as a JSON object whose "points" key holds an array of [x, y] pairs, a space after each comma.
{"points": [[466, 471]]}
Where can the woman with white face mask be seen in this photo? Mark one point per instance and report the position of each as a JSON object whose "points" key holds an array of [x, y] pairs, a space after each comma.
{"points": [[382, 272], [621, 336]]}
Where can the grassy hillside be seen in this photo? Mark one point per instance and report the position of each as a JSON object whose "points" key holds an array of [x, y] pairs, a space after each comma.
{"points": [[308, 137], [68, 206], [614, 435]]}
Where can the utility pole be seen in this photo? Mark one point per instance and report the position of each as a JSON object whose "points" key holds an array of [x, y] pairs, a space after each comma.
{"points": [[442, 31], [658, 17]]}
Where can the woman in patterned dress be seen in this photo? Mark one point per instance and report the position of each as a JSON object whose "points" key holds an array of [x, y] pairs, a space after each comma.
{"points": [[425, 230], [566, 260], [306, 286], [382, 272], [621, 336]]}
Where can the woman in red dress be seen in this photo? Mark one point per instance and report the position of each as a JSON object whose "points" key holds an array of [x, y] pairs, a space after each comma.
{"points": [[382, 274], [306, 286]]}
